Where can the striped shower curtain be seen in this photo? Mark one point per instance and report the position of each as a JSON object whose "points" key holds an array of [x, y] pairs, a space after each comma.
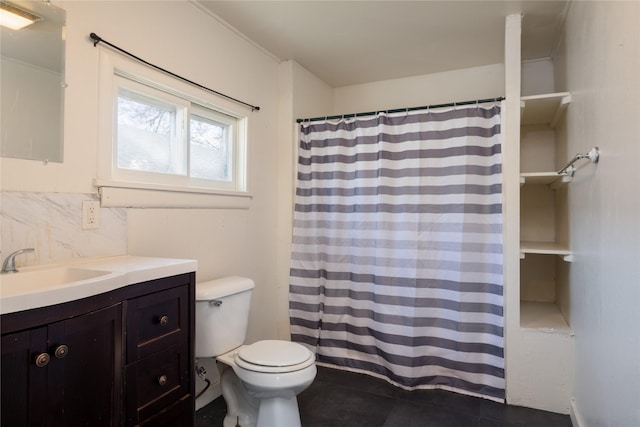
{"points": [[397, 265]]}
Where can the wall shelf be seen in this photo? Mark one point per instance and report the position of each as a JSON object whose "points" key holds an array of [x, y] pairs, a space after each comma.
{"points": [[543, 109], [544, 317], [552, 179], [545, 248]]}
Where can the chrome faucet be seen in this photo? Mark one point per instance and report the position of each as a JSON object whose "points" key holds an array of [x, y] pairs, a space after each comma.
{"points": [[9, 265]]}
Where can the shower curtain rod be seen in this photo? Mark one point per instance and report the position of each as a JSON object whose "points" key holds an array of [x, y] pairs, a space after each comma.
{"points": [[97, 39], [401, 110]]}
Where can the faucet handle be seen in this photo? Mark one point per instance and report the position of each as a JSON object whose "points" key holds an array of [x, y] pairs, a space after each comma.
{"points": [[9, 265]]}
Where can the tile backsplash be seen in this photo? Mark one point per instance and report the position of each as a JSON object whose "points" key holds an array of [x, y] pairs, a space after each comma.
{"points": [[52, 224]]}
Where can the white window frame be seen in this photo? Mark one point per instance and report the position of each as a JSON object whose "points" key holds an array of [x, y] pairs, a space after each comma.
{"points": [[131, 188]]}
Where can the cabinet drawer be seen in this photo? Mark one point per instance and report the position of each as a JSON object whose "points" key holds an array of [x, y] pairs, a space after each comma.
{"points": [[155, 383], [156, 321], [180, 414]]}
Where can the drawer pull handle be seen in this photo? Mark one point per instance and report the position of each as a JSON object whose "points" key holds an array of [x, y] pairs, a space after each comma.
{"points": [[42, 360], [61, 351], [162, 380], [164, 320]]}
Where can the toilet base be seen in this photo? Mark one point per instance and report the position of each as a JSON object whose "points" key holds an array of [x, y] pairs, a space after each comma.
{"points": [[262, 399], [242, 409], [247, 410], [280, 411]]}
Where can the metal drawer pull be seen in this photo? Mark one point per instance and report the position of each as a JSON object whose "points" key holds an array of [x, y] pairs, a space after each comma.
{"points": [[61, 351], [164, 320], [162, 380], [215, 302], [42, 360]]}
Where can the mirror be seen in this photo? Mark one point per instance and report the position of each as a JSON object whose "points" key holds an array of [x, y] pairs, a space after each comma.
{"points": [[32, 85]]}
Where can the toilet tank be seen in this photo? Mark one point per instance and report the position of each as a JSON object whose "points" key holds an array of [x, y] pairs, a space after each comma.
{"points": [[222, 314]]}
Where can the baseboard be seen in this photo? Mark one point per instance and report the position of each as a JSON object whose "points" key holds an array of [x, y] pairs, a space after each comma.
{"points": [[576, 419]]}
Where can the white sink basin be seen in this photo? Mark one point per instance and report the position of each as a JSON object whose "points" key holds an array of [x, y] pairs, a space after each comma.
{"points": [[39, 280], [42, 286], [46, 285]]}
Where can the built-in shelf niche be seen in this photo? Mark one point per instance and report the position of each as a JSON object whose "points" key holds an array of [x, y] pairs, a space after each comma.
{"points": [[544, 109], [542, 113], [543, 316], [541, 251]]}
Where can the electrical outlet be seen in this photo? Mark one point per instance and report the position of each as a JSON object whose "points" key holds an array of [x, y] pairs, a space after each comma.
{"points": [[90, 214]]}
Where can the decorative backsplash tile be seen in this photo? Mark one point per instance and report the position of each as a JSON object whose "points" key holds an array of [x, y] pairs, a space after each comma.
{"points": [[52, 224]]}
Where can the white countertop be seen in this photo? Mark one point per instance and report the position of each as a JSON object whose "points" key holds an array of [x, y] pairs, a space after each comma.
{"points": [[115, 272]]}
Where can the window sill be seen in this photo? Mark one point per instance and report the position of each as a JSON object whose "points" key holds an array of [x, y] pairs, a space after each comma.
{"points": [[121, 194]]}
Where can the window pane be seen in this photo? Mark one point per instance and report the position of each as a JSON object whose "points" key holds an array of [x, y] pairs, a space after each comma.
{"points": [[146, 135], [210, 150]]}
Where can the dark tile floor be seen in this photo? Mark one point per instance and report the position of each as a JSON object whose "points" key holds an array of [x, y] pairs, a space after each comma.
{"points": [[343, 399]]}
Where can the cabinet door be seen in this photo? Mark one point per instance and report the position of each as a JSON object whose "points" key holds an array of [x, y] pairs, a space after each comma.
{"points": [[24, 382], [86, 365]]}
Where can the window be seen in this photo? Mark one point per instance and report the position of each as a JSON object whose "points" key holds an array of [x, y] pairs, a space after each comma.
{"points": [[164, 138], [211, 147], [157, 133], [149, 135]]}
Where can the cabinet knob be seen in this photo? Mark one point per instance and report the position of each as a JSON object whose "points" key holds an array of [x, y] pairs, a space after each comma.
{"points": [[61, 351], [164, 320], [42, 360], [162, 380]]}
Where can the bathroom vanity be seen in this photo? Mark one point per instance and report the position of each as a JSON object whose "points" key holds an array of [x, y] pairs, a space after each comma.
{"points": [[123, 355]]}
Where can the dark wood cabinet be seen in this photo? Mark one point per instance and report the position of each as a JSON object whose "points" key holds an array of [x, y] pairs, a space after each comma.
{"points": [[64, 373], [120, 358], [158, 368]]}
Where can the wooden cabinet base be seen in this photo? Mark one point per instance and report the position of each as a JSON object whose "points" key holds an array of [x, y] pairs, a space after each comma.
{"points": [[125, 357]]}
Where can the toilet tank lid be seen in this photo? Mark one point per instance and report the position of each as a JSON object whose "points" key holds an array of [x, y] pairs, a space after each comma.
{"points": [[222, 287]]}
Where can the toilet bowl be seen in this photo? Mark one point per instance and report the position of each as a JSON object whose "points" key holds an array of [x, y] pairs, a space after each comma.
{"points": [[272, 373], [260, 381]]}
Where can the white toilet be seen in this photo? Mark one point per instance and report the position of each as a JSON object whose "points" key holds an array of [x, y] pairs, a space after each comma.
{"points": [[261, 388]]}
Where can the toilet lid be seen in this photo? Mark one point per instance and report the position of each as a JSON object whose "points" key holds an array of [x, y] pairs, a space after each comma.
{"points": [[274, 356]]}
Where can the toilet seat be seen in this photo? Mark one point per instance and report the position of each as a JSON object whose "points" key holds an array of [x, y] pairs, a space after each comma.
{"points": [[274, 356]]}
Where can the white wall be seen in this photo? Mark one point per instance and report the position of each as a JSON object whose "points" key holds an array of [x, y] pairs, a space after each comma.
{"points": [[178, 36], [537, 77], [438, 88], [599, 63]]}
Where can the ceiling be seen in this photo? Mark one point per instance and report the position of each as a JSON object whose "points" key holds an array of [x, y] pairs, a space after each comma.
{"points": [[352, 42]]}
